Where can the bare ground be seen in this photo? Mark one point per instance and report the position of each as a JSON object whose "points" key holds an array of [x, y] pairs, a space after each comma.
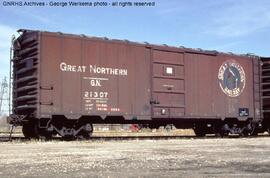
{"points": [[230, 157]]}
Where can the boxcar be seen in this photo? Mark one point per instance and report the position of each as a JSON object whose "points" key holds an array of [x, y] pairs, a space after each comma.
{"points": [[63, 83]]}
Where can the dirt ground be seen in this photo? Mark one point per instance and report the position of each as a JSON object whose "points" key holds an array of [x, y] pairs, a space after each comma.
{"points": [[185, 157]]}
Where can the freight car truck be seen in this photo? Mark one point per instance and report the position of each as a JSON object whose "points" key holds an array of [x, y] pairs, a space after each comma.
{"points": [[64, 83]]}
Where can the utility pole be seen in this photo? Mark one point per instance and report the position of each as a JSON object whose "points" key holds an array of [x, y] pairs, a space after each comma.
{"points": [[3, 93]]}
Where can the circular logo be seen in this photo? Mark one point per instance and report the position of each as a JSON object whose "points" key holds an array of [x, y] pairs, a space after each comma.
{"points": [[232, 78]]}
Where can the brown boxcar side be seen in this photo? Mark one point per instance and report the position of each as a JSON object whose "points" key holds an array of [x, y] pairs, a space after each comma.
{"points": [[80, 80], [93, 77], [205, 98]]}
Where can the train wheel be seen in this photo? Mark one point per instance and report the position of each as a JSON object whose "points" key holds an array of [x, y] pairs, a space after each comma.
{"points": [[199, 131], [245, 133], [219, 131], [254, 129], [45, 134], [247, 130], [27, 131], [224, 130], [86, 133], [30, 130], [83, 135]]}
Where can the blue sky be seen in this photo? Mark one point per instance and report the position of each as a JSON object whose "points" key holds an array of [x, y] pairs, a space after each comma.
{"points": [[239, 26]]}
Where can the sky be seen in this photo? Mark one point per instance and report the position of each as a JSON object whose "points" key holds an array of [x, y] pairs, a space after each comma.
{"points": [[238, 26]]}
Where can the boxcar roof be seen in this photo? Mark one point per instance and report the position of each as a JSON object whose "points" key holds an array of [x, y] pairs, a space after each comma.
{"points": [[146, 44]]}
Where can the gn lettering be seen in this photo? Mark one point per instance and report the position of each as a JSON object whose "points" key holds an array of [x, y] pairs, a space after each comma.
{"points": [[95, 83]]}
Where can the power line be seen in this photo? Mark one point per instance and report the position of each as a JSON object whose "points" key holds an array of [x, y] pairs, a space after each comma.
{"points": [[3, 92]]}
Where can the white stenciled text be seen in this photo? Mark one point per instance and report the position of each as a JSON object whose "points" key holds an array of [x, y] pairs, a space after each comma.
{"points": [[93, 69]]}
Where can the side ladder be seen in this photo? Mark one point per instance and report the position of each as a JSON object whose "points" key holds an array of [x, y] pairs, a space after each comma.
{"points": [[265, 89]]}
